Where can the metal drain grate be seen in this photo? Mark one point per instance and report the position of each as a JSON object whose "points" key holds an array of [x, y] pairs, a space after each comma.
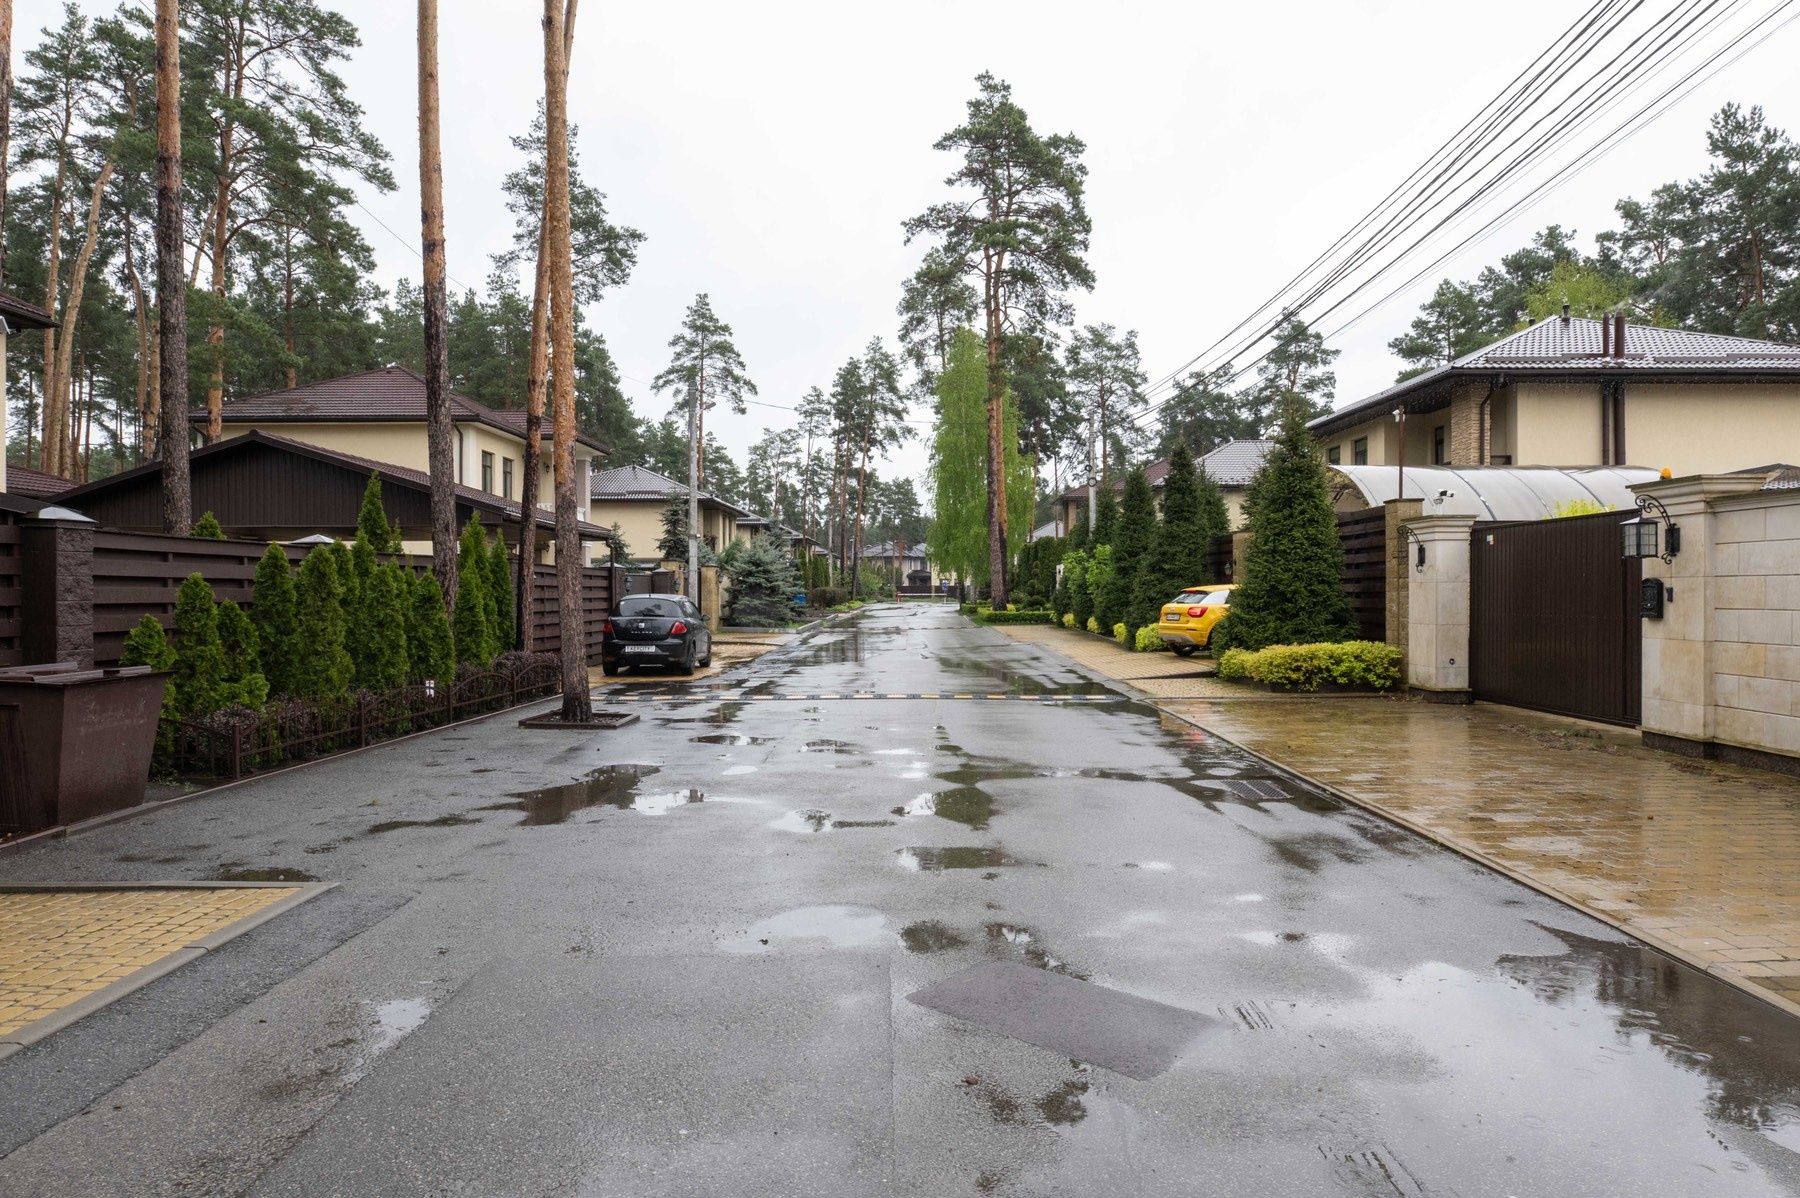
{"points": [[1261, 789]]}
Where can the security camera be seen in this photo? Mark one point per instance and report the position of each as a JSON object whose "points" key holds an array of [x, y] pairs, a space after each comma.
{"points": [[1443, 495]]}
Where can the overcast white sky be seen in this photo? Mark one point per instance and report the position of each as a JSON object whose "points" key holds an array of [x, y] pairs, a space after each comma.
{"points": [[770, 151]]}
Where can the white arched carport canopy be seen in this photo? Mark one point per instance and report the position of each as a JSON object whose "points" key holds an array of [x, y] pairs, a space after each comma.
{"points": [[1491, 492]]}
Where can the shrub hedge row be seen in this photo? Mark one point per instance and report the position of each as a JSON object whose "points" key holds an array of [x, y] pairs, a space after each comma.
{"points": [[1307, 667], [985, 616]]}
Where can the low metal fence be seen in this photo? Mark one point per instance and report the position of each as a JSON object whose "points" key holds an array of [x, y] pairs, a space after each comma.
{"points": [[232, 743]]}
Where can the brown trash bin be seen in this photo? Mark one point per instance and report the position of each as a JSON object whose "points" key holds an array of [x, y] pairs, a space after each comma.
{"points": [[86, 738]]}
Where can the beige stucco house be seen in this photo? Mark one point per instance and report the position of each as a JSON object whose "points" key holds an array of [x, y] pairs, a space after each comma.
{"points": [[380, 415], [1231, 465], [633, 498], [1570, 391]]}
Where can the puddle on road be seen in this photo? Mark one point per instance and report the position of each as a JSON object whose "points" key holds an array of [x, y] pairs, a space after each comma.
{"points": [[738, 771], [609, 786], [837, 926], [736, 740], [452, 820], [806, 821], [229, 873], [1155, 867], [1002, 937], [930, 936], [393, 1021], [843, 747], [923, 859]]}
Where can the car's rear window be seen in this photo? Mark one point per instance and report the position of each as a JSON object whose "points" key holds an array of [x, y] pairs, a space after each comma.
{"points": [[1189, 597], [640, 605], [1216, 599]]}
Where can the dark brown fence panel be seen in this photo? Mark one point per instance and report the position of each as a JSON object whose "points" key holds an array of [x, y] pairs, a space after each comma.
{"points": [[11, 597], [1218, 561], [1553, 619], [1364, 538], [138, 574], [546, 617]]}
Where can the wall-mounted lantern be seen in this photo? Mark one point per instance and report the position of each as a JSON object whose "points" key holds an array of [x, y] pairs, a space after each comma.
{"points": [[1419, 554], [1640, 535]]}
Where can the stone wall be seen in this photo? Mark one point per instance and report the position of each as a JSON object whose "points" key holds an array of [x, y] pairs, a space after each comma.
{"points": [[1721, 669]]}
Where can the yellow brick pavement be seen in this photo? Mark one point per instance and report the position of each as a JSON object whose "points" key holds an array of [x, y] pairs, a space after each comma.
{"points": [[57, 946]]}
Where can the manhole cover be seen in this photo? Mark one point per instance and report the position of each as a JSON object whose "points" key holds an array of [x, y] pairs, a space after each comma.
{"points": [[1134, 1036]]}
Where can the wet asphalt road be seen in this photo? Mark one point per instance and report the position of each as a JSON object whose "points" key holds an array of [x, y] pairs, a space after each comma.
{"points": [[675, 960]]}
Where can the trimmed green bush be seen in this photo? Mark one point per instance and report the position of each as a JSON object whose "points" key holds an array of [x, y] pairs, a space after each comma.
{"points": [[1122, 634], [500, 580], [1099, 569], [1092, 625], [1149, 640], [1371, 664], [242, 683], [372, 523], [148, 645], [473, 620], [1040, 616], [199, 657], [275, 609], [385, 598], [428, 642], [1178, 549], [1292, 590], [1136, 531], [323, 669], [207, 527]]}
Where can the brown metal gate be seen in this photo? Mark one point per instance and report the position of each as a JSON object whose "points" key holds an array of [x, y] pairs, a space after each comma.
{"points": [[1553, 620]]}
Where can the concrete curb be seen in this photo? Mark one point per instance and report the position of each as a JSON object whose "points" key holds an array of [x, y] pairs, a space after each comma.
{"points": [[1721, 971], [87, 1004]]}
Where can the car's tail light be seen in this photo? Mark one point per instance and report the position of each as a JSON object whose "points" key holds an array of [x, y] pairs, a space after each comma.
{"points": [[606, 629], [677, 628], [1196, 612]]}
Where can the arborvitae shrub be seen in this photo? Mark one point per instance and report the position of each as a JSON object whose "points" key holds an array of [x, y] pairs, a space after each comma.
{"points": [[428, 641], [372, 523], [324, 670], [199, 658], [500, 581], [243, 683], [1132, 538], [472, 621], [207, 527], [275, 609]]}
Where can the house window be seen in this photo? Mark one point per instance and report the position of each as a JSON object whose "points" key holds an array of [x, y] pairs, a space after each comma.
{"points": [[506, 478], [1359, 451], [1437, 445], [1335, 454], [487, 472]]}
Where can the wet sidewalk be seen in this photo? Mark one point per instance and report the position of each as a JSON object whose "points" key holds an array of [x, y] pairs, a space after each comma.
{"points": [[1159, 675], [1699, 859]]}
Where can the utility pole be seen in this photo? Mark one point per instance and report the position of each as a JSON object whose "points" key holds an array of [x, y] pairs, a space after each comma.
{"points": [[693, 512], [1093, 479]]}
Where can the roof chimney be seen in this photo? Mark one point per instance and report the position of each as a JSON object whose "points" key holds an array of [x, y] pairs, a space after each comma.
{"points": [[1606, 336], [1565, 312], [1618, 340]]}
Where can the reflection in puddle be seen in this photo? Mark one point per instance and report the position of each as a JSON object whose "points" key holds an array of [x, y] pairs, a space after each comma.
{"points": [[807, 821], [930, 936], [965, 857], [737, 771], [393, 1021], [829, 746], [610, 785], [1002, 936], [1063, 1106], [734, 739], [967, 805], [838, 926], [1155, 867]]}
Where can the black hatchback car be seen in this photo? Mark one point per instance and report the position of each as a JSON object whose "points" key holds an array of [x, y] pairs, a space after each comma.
{"points": [[655, 630]]}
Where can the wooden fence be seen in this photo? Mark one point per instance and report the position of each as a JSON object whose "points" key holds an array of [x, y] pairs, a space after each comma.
{"points": [[75, 591]]}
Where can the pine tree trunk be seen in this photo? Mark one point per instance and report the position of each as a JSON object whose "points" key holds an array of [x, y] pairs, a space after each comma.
{"points": [[576, 706], [215, 331], [535, 373], [440, 429], [171, 285], [6, 82], [140, 316], [52, 413], [78, 281], [996, 414]]}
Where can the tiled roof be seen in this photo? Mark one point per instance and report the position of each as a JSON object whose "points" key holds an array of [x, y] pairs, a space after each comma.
{"points": [[22, 315], [641, 482], [390, 394], [886, 549], [1777, 476], [418, 479], [1232, 464], [34, 484], [1572, 346]]}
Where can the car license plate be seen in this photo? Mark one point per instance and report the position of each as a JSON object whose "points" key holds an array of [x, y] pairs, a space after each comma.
{"points": [[640, 648], [1173, 617]]}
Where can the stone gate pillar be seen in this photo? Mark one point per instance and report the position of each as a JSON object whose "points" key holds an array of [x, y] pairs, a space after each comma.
{"points": [[1437, 601]]}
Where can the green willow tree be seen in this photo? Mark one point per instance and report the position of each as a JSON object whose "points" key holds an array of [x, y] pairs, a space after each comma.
{"points": [[958, 538], [1019, 228]]}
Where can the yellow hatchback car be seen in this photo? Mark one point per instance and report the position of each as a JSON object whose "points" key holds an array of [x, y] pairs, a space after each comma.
{"points": [[1189, 619]]}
